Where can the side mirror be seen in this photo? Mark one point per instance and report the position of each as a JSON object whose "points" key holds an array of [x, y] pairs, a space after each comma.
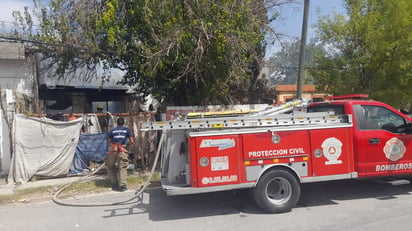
{"points": [[407, 128]]}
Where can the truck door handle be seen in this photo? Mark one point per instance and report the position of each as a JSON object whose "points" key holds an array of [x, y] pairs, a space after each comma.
{"points": [[374, 140]]}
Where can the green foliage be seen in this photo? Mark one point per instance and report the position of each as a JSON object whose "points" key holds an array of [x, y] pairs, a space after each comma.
{"points": [[188, 52], [368, 51], [284, 64], [64, 32], [200, 53]]}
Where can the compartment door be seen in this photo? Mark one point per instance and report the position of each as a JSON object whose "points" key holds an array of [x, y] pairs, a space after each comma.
{"points": [[331, 151], [217, 160]]}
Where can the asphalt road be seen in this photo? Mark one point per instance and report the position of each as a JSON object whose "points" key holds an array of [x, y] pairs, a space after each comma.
{"points": [[344, 205]]}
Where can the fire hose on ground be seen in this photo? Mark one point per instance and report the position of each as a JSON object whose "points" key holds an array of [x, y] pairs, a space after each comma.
{"points": [[131, 200]]}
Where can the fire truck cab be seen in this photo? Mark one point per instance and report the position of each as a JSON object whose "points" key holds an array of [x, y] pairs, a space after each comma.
{"points": [[273, 155], [381, 136]]}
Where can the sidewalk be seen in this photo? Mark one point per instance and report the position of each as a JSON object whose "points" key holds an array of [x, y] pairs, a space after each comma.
{"points": [[10, 188]]}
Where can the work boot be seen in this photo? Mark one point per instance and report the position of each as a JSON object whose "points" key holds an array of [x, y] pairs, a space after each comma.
{"points": [[123, 188], [115, 187]]}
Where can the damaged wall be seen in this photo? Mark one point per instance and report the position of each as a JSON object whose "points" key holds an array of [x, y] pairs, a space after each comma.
{"points": [[26, 87], [18, 92]]}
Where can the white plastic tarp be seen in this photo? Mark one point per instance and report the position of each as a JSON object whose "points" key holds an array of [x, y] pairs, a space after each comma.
{"points": [[42, 147]]}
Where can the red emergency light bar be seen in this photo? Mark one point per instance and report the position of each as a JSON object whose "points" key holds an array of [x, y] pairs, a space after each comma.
{"points": [[352, 96]]}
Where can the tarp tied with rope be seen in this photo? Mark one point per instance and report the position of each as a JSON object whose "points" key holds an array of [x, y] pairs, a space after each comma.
{"points": [[42, 147]]}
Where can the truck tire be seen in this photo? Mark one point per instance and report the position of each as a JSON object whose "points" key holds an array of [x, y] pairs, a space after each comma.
{"points": [[277, 191]]}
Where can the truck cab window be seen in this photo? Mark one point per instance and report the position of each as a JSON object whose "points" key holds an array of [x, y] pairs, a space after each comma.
{"points": [[335, 109], [372, 117]]}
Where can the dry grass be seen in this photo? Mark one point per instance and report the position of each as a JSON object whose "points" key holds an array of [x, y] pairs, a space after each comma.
{"points": [[77, 188]]}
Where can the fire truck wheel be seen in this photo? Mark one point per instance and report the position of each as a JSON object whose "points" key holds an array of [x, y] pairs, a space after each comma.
{"points": [[277, 191]]}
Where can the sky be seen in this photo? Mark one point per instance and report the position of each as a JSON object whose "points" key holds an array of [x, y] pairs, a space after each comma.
{"points": [[7, 7], [290, 23], [291, 19], [292, 16]]}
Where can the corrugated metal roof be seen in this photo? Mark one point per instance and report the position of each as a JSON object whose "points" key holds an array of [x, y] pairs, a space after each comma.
{"points": [[81, 79]]}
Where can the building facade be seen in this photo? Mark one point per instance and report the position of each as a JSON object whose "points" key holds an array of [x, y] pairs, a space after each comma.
{"points": [[28, 85], [285, 93]]}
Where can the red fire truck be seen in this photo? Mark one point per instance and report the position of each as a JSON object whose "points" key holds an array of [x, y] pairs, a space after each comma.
{"points": [[273, 153]]}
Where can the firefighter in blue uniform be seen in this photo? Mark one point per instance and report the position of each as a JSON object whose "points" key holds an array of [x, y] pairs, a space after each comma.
{"points": [[117, 159]]}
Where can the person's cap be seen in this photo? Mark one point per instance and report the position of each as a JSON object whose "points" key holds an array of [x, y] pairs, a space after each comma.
{"points": [[99, 107]]}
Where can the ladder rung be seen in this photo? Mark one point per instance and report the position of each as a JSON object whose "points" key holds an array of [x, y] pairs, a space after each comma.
{"points": [[220, 123]]}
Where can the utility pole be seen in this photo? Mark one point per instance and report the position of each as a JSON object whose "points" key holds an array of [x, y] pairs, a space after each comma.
{"points": [[301, 70]]}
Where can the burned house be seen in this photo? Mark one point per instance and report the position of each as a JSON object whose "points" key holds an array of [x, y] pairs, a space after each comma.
{"points": [[29, 86], [82, 91]]}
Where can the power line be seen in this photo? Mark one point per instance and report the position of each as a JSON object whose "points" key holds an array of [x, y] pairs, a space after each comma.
{"points": [[31, 41], [80, 49], [7, 22]]}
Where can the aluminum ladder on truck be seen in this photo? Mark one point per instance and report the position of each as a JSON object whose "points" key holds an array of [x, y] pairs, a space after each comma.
{"points": [[283, 108], [265, 118], [271, 110], [249, 121]]}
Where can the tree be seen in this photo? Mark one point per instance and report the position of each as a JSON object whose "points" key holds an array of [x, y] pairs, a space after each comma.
{"points": [[284, 63], [205, 51], [65, 33], [367, 52], [191, 52]]}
